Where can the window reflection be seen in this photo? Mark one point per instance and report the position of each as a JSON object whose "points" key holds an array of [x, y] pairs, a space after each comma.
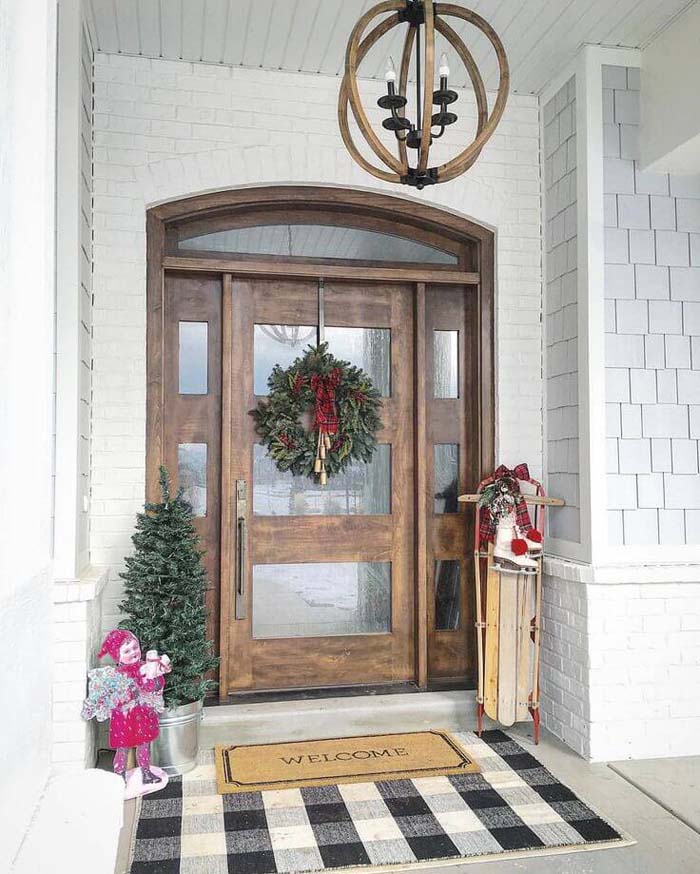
{"points": [[192, 475], [323, 599], [366, 348], [192, 358], [446, 364], [446, 476], [447, 595], [362, 489], [277, 344], [317, 241]]}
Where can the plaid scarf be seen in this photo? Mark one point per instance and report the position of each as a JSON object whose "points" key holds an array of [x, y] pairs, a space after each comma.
{"points": [[487, 522], [326, 416]]}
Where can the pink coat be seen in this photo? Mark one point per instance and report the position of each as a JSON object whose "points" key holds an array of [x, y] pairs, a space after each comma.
{"points": [[140, 724]]}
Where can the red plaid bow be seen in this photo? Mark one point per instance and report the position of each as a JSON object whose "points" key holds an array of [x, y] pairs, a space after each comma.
{"points": [[487, 523], [325, 417]]}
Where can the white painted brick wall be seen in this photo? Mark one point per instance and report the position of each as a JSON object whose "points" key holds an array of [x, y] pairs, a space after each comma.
{"points": [[564, 662], [621, 657], [651, 333], [77, 628], [561, 307], [169, 129]]}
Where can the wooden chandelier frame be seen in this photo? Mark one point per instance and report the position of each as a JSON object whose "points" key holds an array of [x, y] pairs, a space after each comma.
{"points": [[349, 91]]}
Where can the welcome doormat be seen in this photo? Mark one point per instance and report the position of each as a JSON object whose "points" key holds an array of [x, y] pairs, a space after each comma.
{"points": [[513, 808], [259, 767]]}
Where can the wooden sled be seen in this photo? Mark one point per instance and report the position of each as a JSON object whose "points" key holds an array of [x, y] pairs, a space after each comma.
{"points": [[508, 621]]}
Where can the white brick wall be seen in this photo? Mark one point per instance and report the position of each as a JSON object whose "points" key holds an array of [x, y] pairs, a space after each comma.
{"points": [[561, 307], [166, 130], [652, 290], [77, 621], [621, 659], [564, 661]]}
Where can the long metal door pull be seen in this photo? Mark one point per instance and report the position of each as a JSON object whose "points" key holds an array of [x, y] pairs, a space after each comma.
{"points": [[240, 564]]}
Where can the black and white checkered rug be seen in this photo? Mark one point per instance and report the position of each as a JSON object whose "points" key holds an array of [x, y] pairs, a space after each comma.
{"points": [[513, 806]]}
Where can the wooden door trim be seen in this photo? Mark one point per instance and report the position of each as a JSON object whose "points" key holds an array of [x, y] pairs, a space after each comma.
{"points": [[408, 212], [227, 489], [420, 448], [262, 269], [479, 245]]}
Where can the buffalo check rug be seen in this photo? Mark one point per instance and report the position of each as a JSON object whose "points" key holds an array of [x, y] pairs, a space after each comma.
{"points": [[514, 807]]}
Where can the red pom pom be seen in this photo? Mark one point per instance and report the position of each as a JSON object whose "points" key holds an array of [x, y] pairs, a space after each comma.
{"points": [[519, 546], [534, 535]]}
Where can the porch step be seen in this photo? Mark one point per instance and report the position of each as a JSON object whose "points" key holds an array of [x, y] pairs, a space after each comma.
{"points": [[76, 827], [275, 721]]}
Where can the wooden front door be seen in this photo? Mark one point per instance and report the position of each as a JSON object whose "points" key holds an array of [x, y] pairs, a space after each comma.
{"points": [[319, 581], [366, 581]]}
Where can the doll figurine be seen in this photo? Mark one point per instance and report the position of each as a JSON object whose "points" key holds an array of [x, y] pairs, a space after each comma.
{"points": [[132, 694]]}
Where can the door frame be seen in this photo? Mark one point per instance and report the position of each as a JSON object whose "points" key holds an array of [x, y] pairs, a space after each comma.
{"points": [[473, 243]]}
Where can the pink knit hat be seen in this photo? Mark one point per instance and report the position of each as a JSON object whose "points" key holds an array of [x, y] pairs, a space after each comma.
{"points": [[114, 642]]}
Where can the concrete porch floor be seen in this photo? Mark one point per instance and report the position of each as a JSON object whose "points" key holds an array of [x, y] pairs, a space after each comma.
{"points": [[655, 801]]}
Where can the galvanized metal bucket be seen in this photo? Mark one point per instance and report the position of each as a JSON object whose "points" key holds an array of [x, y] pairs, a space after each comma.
{"points": [[176, 748]]}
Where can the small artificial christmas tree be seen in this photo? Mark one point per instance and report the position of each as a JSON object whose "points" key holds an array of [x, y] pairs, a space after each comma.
{"points": [[164, 587]]}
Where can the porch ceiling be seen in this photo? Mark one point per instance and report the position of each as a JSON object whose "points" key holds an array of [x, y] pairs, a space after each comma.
{"points": [[310, 35]]}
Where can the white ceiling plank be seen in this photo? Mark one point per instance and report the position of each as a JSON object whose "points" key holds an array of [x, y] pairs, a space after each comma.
{"points": [[311, 35], [171, 28], [192, 29], [650, 18], [282, 17], [351, 15], [90, 20], [499, 18], [302, 30], [327, 37], [564, 38], [520, 51], [215, 23], [594, 29], [128, 24], [149, 28], [237, 27], [606, 29], [256, 33], [106, 25]]}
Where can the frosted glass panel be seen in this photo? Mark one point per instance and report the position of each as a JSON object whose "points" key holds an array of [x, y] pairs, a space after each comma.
{"points": [[367, 348], [192, 475], [193, 358], [447, 595], [445, 365], [277, 344], [321, 599], [446, 460], [363, 489], [318, 241]]}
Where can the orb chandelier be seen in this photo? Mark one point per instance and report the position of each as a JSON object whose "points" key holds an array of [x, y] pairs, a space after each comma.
{"points": [[410, 163]]}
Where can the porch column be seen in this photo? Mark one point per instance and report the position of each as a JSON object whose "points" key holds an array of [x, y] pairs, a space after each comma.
{"points": [[622, 597]]}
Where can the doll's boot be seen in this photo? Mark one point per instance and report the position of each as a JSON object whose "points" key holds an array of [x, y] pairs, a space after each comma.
{"points": [[506, 537], [147, 776]]}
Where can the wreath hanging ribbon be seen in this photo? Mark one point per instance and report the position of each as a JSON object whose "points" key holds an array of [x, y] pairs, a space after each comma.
{"points": [[344, 406]]}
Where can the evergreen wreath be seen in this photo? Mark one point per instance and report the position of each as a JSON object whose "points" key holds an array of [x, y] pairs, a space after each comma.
{"points": [[344, 408]]}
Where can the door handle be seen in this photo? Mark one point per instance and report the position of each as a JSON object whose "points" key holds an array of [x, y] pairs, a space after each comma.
{"points": [[241, 560]]}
